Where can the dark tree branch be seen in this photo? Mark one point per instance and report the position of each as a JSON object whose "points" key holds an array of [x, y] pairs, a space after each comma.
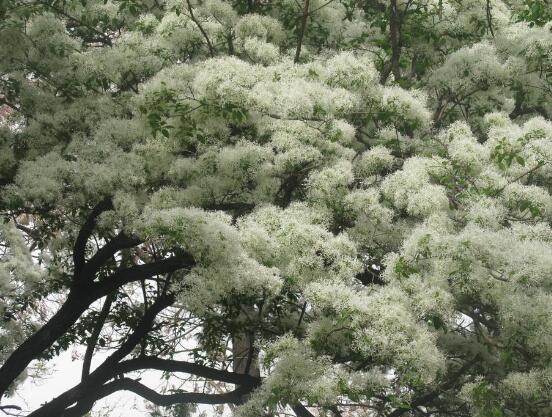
{"points": [[93, 340], [102, 37], [77, 303], [234, 397], [119, 242], [79, 250], [302, 28], [140, 272], [335, 411], [6, 408], [168, 365], [395, 37], [93, 387], [192, 16], [141, 330], [490, 18], [301, 411], [426, 398], [164, 400], [519, 110]]}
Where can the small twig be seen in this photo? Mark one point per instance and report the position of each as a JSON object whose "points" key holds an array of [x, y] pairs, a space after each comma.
{"points": [[490, 18], [301, 316], [192, 16], [520, 176]]}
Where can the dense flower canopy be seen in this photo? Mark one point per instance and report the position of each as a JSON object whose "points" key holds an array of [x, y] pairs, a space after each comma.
{"points": [[320, 207]]}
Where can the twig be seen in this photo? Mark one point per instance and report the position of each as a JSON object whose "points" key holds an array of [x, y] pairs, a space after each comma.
{"points": [[209, 45]]}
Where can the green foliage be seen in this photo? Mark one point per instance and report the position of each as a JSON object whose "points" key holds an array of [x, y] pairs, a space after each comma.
{"points": [[504, 154], [536, 12]]}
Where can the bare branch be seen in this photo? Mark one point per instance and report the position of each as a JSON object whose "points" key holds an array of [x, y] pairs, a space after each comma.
{"points": [[91, 345], [192, 16], [302, 28], [79, 249], [169, 365]]}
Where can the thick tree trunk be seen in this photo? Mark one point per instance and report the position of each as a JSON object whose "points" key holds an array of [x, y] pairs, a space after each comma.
{"points": [[245, 356], [393, 66]]}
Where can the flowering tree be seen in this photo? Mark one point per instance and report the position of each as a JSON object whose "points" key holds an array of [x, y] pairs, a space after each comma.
{"points": [[318, 207]]}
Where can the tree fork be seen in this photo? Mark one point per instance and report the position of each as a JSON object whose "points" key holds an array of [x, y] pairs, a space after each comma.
{"points": [[78, 300]]}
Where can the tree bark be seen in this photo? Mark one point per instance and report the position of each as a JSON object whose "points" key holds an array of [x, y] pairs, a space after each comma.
{"points": [[395, 37], [30, 349], [302, 28], [245, 357]]}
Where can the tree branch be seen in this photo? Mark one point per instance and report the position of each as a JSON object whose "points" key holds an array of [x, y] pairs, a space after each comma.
{"points": [[192, 16], [79, 250], [77, 302], [107, 370], [127, 384], [169, 365], [93, 340], [91, 389], [121, 241], [164, 400], [424, 399], [102, 37], [490, 18], [302, 28], [301, 411], [139, 272], [32, 347], [395, 36]]}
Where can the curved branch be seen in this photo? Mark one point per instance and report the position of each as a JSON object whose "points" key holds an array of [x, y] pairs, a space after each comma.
{"points": [[6, 409], [79, 249], [126, 384], [119, 242], [150, 362], [164, 400], [140, 272]]}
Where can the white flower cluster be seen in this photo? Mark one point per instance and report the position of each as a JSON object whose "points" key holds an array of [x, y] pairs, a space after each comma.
{"points": [[19, 277], [222, 267], [297, 242], [374, 161], [410, 189], [382, 326], [295, 364]]}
